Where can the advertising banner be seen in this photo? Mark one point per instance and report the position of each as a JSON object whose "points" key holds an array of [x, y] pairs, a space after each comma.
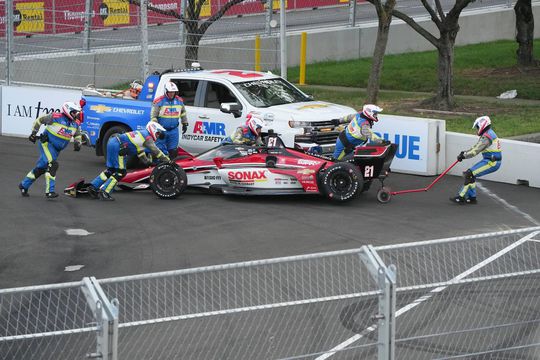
{"points": [[417, 140], [22, 105]]}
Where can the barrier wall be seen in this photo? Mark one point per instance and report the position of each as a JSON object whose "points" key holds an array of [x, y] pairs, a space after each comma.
{"points": [[520, 164], [22, 105], [419, 141]]}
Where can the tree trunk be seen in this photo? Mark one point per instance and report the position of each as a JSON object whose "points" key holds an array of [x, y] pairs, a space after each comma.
{"points": [[385, 18], [524, 32], [192, 48], [445, 72]]}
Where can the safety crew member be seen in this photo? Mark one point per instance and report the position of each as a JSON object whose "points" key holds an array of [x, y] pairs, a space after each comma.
{"points": [[358, 132], [60, 128], [167, 110], [133, 92], [490, 147], [247, 134], [120, 145]]}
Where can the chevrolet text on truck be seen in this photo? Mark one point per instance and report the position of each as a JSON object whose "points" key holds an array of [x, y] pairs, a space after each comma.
{"points": [[217, 102]]}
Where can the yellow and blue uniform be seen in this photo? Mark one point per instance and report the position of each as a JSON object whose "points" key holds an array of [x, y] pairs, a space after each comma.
{"points": [[357, 133], [242, 136], [168, 113], [59, 131], [120, 145], [490, 147]]}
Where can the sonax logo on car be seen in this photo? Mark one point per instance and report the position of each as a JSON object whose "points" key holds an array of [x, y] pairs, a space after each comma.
{"points": [[209, 128], [257, 175]]}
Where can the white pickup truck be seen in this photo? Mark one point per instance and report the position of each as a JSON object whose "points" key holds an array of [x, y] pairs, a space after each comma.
{"points": [[217, 102]]}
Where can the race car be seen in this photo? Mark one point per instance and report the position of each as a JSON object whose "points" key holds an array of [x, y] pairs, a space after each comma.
{"points": [[272, 169]]}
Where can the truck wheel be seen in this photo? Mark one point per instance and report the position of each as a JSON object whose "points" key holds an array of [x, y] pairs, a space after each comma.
{"points": [[168, 180], [341, 181], [131, 160]]}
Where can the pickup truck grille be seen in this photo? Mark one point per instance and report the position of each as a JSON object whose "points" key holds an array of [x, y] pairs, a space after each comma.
{"points": [[322, 133]]}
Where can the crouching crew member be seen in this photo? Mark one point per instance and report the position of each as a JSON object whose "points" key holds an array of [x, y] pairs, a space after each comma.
{"points": [[60, 127], [490, 147], [120, 145], [358, 132], [248, 134]]}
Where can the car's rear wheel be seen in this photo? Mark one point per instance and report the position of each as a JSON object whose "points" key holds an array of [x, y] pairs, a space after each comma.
{"points": [[168, 181], [341, 181]]}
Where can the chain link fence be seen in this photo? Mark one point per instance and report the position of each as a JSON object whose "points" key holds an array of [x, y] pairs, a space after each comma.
{"points": [[110, 42], [474, 297]]}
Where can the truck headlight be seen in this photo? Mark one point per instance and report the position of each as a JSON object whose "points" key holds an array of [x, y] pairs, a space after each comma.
{"points": [[299, 124]]}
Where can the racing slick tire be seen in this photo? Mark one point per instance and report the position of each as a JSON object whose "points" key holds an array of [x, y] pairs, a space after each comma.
{"points": [[168, 180], [384, 195], [341, 181]]}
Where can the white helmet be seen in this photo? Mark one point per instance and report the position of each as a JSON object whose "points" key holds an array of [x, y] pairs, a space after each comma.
{"points": [[156, 130], [171, 87], [370, 111], [71, 110], [481, 124], [254, 122]]}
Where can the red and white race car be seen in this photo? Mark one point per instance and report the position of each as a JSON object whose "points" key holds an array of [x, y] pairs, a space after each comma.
{"points": [[272, 169]]}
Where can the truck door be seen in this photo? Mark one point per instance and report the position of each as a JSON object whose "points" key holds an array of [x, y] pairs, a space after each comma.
{"points": [[210, 125]]}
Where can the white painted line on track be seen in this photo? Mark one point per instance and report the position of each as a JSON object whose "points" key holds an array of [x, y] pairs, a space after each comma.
{"points": [[423, 298], [507, 205]]}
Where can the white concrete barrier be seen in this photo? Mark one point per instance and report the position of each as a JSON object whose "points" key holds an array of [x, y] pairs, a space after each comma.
{"points": [[520, 160], [21, 105], [419, 141]]}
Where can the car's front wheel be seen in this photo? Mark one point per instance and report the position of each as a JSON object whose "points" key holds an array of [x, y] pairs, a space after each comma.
{"points": [[341, 181], [168, 181]]}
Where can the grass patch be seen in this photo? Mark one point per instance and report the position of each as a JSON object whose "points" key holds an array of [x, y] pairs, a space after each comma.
{"points": [[508, 118], [486, 69]]}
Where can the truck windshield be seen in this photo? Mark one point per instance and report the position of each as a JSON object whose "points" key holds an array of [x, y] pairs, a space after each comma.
{"points": [[270, 92]]}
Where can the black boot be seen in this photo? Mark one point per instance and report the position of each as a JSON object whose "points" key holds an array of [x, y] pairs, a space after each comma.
{"points": [[92, 191], [51, 195], [471, 200], [24, 192], [458, 199], [105, 196]]}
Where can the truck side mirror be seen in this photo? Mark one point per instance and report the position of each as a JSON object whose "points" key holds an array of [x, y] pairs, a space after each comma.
{"points": [[232, 108]]}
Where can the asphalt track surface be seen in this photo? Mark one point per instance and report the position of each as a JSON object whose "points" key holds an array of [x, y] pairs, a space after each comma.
{"points": [[140, 233]]}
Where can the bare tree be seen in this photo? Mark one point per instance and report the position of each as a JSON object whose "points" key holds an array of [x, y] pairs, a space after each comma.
{"points": [[384, 13], [195, 28], [448, 26], [524, 32]]}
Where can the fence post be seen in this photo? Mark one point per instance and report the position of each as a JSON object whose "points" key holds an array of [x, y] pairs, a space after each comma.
{"points": [[88, 8], [268, 17], [257, 53], [9, 39], [144, 40], [106, 315], [283, 37], [385, 277], [182, 33], [303, 46], [352, 13]]}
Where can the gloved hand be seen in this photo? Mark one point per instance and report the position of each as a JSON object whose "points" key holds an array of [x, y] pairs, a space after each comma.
{"points": [[76, 146], [336, 122], [184, 128], [32, 137], [145, 160], [461, 156], [386, 142]]}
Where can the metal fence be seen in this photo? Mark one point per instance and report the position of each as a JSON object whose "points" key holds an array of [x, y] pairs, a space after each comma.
{"points": [[464, 297], [64, 42]]}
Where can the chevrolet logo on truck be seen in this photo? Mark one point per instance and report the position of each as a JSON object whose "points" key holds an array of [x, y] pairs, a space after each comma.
{"points": [[100, 109]]}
